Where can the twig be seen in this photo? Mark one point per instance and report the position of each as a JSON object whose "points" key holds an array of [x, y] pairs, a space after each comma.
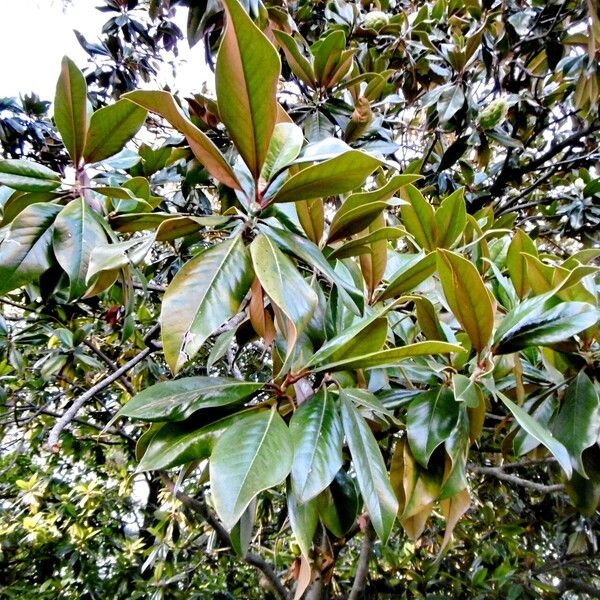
{"points": [[576, 585], [202, 509], [530, 485], [362, 569], [126, 383], [69, 415]]}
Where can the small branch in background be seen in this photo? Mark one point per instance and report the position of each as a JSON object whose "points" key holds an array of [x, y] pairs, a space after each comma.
{"points": [[201, 508], [113, 366], [362, 570], [499, 473], [69, 415], [577, 585]]}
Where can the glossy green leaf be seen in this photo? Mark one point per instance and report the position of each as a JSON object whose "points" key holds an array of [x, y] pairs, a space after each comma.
{"points": [[363, 337], [26, 251], [77, 233], [107, 257], [416, 269], [430, 419], [371, 472], [111, 128], [451, 219], [204, 293], [203, 148], [181, 443], [317, 436], [70, 109], [284, 285], [254, 454], [334, 176], [360, 209], [299, 64], [467, 297], [339, 505], [577, 424], [311, 254], [177, 399], [515, 261], [246, 77], [538, 322], [390, 357], [241, 534], [304, 518], [418, 217], [286, 143], [27, 176], [361, 245], [545, 437]]}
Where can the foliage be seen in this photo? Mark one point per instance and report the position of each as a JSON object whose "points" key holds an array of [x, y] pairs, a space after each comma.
{"points": [[371, 261]]}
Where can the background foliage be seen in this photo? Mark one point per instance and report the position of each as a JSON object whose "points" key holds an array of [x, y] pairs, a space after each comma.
{"points": [[377, 240]]}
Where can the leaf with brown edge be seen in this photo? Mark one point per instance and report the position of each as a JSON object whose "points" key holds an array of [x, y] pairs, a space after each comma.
{"points": [[284, 285], [467, 297], [246, 78], [453, 509], [418, 217], [204, 150]]}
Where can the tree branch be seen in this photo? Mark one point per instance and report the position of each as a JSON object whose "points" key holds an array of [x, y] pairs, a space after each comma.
{"points": [[201, 508], [499, 473], [69, 415], [362, 569], [113, 366]]}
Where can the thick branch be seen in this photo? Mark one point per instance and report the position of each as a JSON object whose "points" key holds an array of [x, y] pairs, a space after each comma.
{"points": [[499, 473], [362, 569], [200, 507]]}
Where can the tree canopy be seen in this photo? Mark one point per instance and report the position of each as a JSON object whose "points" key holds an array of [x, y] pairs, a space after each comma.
{"points": [[327, 328]]}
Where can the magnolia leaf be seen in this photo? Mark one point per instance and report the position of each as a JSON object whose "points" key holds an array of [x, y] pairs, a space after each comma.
{"points": [[70, 109], [451, 219], [317, 436], [467, 297], [540, 433], [304, 518], [538, 322], [78, 231], [27, 176], [516, 263], [178, 399], [430, 419], [386, 358], [371, 472], [246, 78], [111, 128], [577, 424], [286, 143], [329, 178], [26, 251], [284, 285], [204, 293], [201, 145], [254, 454]]}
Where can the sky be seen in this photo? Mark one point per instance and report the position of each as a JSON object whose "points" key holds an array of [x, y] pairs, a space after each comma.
{"points": [[36, 34]]}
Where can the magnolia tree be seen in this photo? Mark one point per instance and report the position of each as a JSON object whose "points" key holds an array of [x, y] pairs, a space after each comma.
{"points": [[347, 305]]}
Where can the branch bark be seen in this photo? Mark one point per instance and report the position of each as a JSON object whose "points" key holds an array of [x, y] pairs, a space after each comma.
{"points": [[201, 508], [362, 570], [71, 412], [499, 473]]}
